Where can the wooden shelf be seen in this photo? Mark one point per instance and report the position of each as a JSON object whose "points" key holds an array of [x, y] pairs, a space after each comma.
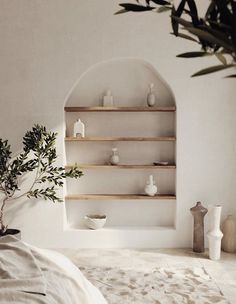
{"points": [[120, 109], [90, 166], [122, 228], [163, 138], [119, 197]]}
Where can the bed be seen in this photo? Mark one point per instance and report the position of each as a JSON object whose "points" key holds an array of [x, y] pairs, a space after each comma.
{"points": [[37, 276]]}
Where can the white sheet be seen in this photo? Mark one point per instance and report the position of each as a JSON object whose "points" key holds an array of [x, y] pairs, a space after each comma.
{"points": [[37, 276]]}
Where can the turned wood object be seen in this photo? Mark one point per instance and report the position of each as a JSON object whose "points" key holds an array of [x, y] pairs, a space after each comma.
{"points": [[198, 213]]}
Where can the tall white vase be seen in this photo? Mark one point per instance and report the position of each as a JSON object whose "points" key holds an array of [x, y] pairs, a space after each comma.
{"points": [[214, 234]]}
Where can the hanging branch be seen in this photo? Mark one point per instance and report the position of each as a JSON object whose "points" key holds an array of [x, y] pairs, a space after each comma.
{"points": [[215, 32]]}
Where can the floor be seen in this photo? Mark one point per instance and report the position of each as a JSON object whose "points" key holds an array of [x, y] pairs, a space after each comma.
{"points": [[223, 272]]}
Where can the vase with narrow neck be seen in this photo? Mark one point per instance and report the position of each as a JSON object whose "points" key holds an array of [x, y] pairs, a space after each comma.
{"points": [[214, 234], [115, 157], [151, 188], [151, 98], [198, 213]]}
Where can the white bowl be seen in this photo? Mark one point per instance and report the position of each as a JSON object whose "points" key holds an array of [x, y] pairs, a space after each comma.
{"points": [[95, 221]]}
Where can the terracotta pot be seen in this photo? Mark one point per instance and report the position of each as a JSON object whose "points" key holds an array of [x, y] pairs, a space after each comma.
{"points": [[14, 232], [229, 232]]}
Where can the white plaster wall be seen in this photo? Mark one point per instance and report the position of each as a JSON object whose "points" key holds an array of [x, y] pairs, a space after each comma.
{"points": [[47, 44], [128, 79]]}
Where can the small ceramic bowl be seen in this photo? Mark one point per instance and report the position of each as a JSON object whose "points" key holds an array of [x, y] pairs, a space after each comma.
{"points": [[95, 221]]}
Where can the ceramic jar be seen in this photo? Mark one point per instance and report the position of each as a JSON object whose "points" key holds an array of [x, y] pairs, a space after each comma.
{"points": [[108, 99], [151, 98], [79, 129], [95, 221], [214, 234], [229, 232], [151, 188], [114, 157]]}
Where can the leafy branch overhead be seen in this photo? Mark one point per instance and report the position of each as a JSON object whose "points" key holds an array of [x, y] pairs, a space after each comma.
{"points": [[39, 157], [215, 32]]}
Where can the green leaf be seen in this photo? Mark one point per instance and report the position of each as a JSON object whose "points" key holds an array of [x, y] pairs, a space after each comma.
{"points": [[216, 33], [231, 76], [193, 54], [212, 69], [122, 11], [184, 36], [163, 9], [160, 2], [135, 7], [210, 9], [180, 8], [209, 38], [193, 11], [175, 20], [221, 58], [219, 25], [174, 23]]}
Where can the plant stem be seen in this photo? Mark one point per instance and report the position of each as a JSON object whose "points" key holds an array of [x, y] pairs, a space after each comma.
{"points": [[34, 182], [2, 226]]}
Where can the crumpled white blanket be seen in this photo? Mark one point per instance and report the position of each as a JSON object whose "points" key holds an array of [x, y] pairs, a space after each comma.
{"points": [[29, 275]]}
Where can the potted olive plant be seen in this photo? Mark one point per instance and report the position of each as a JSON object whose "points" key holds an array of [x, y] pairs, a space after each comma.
{"points": [[38, 156]]}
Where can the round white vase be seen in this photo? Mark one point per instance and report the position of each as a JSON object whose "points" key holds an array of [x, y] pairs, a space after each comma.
{"points": [[151, 98], [151, 188], [115, 157], [229, 232], [214, 234]]}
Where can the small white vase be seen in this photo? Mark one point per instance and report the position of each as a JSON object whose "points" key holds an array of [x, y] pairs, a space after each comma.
{"points": [[229, 232], [151, 98], [108, 99], [115, 157], [214, 234], [79, 129], [151, 188]]}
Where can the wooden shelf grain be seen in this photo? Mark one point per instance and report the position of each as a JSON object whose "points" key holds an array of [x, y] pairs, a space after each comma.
{"points": [[160, 138], [94, 166], [122, 228], [119, 197], [121, 109]]}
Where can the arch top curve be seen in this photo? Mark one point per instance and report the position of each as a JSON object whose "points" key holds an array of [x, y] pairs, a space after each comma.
{"points": [[127, 78]]}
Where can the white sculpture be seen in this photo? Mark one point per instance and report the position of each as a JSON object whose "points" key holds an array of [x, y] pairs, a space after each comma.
{"points": [[108, 99], [214, 234], [151, 188], [115, 157], [151, 98], [79, 129]]}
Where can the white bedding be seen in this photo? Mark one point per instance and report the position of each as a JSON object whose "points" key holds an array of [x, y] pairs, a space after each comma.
{"points": [[29, 275]]}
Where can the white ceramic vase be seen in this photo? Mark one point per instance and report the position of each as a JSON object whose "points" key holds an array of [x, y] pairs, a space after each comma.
{"points": [[214, 234], [79, 129], [108, 99], [229, 232], [151, 98], [115, 157], [151, 188]]}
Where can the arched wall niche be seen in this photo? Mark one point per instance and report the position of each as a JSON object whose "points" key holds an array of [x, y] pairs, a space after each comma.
{"points": [[127, 78]]}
